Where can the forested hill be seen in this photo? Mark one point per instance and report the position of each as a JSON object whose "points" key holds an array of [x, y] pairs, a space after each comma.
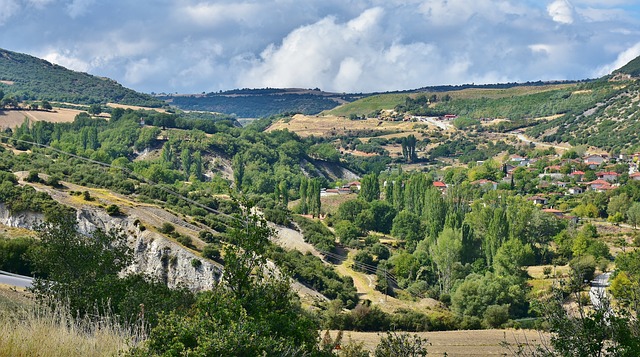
{"points": [[32, 78], [258, 103], [632, 68]]}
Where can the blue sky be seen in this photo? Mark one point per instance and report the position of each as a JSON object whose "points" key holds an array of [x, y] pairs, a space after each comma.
{"points": [[192, 46]]}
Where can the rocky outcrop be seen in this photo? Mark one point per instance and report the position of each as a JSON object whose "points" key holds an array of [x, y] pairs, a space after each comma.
{"points": [[154, 254]]}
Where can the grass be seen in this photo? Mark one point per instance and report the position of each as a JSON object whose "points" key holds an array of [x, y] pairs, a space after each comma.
{"points": [[36, 331], [459, 343], [389, 101]]}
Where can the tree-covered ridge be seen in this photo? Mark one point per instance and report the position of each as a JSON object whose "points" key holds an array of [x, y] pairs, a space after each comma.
{"points": [[612, 108], [256, 103], [632, 68], [36, 79]]}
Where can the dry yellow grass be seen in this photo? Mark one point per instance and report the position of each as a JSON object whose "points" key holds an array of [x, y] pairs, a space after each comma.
{"points": [[39, 332], [330, 125], [13, 118], [134, 107], [459, 343]]}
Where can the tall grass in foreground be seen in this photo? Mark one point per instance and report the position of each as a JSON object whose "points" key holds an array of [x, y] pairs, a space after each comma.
{"points": [[38, 331]]}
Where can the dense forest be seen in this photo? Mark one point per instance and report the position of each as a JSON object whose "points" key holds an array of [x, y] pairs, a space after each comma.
{"points": [[258, 103], [31, 78]]}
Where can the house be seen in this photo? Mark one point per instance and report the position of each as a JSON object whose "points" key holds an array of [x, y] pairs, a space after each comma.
{"points": [[577, 175], [608, 176], [594, 160], [440, 185], [537, 200], [599, 185], [485, 183], [554, 212], [554, 168], [635, 176], [354, 185], [575, 190]]}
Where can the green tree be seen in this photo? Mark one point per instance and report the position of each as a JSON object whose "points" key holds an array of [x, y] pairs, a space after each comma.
{"points": [[633, 214], [445, 253], [407, 226], [252, 313], [370, 188], [79, 270], [95, 109]]}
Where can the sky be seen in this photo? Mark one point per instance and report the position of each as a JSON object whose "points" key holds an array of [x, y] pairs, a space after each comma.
{"points": [[194, 46]]}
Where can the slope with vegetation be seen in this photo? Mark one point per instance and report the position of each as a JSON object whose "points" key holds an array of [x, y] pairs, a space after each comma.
{"points": [[31, 78]]}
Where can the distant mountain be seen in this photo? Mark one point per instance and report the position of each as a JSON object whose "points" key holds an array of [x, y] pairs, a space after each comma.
{"points": [[258, 103], [32, 78]]}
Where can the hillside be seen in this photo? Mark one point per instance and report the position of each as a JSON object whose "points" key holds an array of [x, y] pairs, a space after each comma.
{"points": [[31, 78], [258, 103]]}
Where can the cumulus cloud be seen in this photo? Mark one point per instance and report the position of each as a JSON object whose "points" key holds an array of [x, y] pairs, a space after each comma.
{"points": [[79, 7], [7, 9], [337, 45], [561, 11], [67, 60], [623, 58]]}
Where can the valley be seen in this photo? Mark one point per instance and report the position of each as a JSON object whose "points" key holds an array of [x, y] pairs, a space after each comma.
{"points": [[470, 215]]}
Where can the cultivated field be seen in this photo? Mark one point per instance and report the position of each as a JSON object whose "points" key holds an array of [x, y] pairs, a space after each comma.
{"points": [[134, 107], [14, 118], [329, 125], [459, 343]]}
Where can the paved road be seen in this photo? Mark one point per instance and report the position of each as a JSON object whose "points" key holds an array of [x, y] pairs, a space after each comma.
{"points": [[599, 289], [15, 280]]}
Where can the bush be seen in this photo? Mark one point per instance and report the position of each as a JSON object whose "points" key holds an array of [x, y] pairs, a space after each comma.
{"points": [[401, 344], [167, 228], [211, 251], [113, 210], [33, 176], [196, 263], [185, 241], [496, 315]]}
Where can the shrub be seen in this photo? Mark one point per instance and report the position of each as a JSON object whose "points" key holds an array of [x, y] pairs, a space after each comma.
{"points": [[113, 210], [167, 228], [211, 251], [401, 344], [185, 240], [496, 315], [33, 176], [196, 263]]}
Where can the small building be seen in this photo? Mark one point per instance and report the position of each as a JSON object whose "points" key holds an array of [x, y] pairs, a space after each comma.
{"points": [[575, 190], [599, 185], [594, 160], [485, 183], [538, 200], [440, 185], [554, 212], [608, 176], [635, 176], [577, 175]]}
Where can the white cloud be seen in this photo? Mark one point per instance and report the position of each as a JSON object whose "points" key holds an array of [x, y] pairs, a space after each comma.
{"points": [[39, 4], [561, 11], [78, 8], [8, 8], [68, 60], [623, 58], [144, 69], [213, 14]]}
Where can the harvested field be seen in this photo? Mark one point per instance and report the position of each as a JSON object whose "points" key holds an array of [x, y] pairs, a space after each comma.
{"points": [[330, 125], [14, 118], [134, 107], [458, 343]]}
